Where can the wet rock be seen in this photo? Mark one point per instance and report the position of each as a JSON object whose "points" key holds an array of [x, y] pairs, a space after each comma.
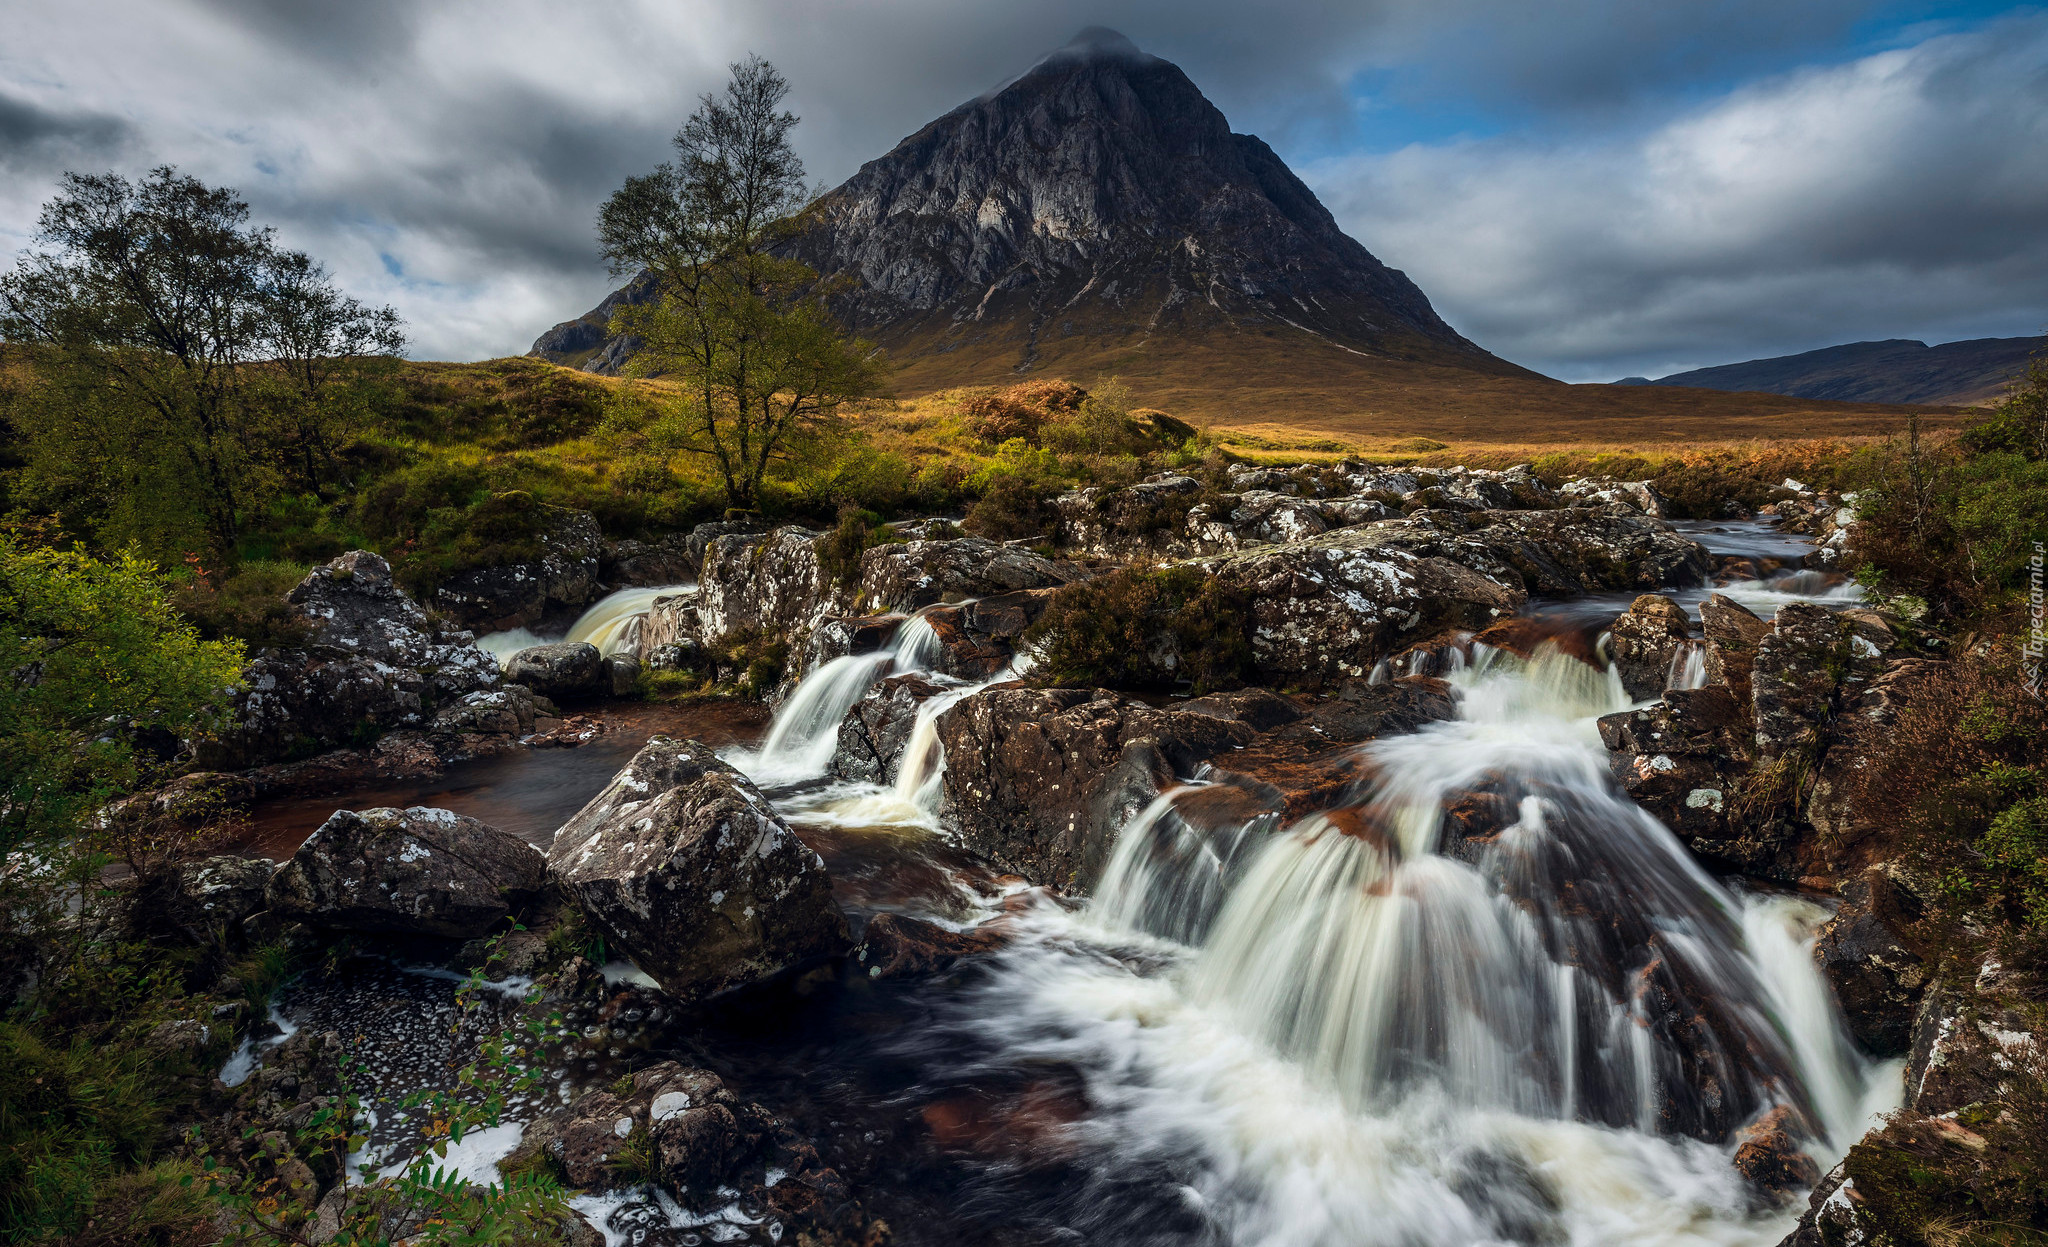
{"points": [[416, 871], [372, 662], [875, 730], [1833, 1216], [1849, 835], [1770, 1157], [1878, 980], [1732, 632], [772, 582], [908, 575], [685, 867], [1005, 616], [899, 946], [1039, 780], [563, 671], [1646, 641], [1334, 605], [621, 675], [562, 581], [1684, 759], [1966, 1043]]}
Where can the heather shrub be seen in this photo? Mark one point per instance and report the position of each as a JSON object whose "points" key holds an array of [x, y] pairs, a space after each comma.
{"points": [[1137, 629]]}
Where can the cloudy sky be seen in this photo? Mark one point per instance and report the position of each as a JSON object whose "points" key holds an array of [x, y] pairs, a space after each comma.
{"points": [[1590, 187]]}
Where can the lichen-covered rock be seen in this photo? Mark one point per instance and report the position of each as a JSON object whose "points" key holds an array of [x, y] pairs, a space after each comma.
{"points": [[1641, 495], [905, 576], [1646, 639], [519, 595], [562, 671], [773, 582], [621, 675], [1334, 605], [1805, 665], [416, 871], [685, 867], [669, 560], [1859, 734], [205, 902], [671, 621], [505, 711], [1684, 759], [372, 661]]}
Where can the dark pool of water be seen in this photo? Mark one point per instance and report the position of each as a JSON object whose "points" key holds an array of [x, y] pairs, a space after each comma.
{"points": [[1748, 538], [528, 792]]}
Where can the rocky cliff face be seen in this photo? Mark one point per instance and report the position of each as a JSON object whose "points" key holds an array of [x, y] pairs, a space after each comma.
{"points": [[1099, 196]]}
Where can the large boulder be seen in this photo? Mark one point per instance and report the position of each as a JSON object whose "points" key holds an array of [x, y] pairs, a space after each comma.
{"points": [[773, 582], [1809, 662], [685, 868], [905, 576], [373, 661], [416, 871], [1646, 640], [1685, 759], [562, 671], [1334, 605], [1041, 781], [558, 584]]}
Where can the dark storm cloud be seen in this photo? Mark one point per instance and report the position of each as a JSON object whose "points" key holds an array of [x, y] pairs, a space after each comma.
{"points": [[450, 157]]}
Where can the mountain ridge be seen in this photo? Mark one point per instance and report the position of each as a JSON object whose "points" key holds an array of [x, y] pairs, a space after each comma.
{"points": [[1889, 370]]}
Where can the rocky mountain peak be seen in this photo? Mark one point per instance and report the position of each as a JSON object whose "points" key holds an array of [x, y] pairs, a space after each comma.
{"points": [[1099, 203]]}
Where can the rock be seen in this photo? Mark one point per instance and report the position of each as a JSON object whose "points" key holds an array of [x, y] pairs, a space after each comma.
{"points": [[876, 728], [1334, 605], [1262, 517], [372, 662], [519, 595], [205, 902], [670, 624], [1803, 668], [415, 871], [905, 576], [1640, 495], [701, 1131], [1966, 1042], [1832, 1217], [685, 867], [1732, 633], [563, 671], [1769, 1155], [773, 582], [1684, 759], [1877, 979], [621, 675], [1040, 780], [1145, 520], [899, 946], [506, 711], [1005, 616], [668, 561], [1856, 739], [1646, 641]]}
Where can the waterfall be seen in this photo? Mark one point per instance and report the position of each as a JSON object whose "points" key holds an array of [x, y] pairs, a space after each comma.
{"points": [[1688, 667], [914, 797], [805, 731], [1545, 949], [612, 624]]}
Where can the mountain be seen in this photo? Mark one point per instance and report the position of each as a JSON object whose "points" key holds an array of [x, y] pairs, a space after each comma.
{"points": [[1897, 370], [1096, 201], [1097, 216]]}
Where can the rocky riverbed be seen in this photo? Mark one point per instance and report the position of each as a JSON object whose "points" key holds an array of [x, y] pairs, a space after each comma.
{"points": [[1488, 913]]}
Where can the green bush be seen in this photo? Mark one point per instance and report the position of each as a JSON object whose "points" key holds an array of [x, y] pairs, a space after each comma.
{"points": [[1135, 629], [1012, 491], [248, 605]]}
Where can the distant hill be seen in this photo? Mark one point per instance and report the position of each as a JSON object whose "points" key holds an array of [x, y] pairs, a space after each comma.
{"points": [[1898, 370]]}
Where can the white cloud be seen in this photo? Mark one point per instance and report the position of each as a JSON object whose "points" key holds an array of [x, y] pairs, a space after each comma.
{"points": [[1902, 194]]}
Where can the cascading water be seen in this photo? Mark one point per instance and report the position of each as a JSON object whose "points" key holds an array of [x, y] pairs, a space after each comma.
{"points": [[805, 731], [1688, 667], [1489, 999], [612, 624]]}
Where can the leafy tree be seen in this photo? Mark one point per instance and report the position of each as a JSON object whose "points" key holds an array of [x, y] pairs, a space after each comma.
{"points": [[741, 327], [99, 677], [193, 367]]}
